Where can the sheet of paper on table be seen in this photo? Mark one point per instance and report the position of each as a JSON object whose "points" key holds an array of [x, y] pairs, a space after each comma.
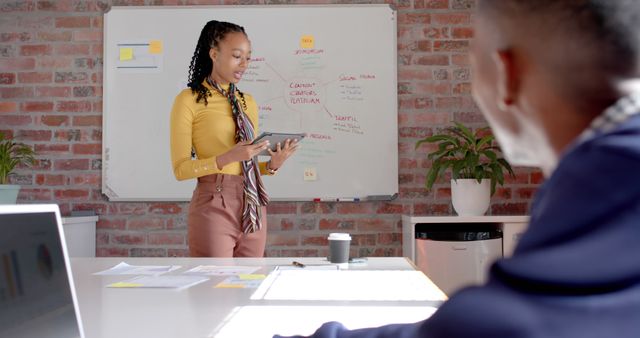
{"points": [[220, 270], [373, 285], [126, 269]]}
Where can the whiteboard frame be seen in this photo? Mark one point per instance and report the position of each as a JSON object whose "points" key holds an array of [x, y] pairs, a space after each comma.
{"points": [[113, 196]]}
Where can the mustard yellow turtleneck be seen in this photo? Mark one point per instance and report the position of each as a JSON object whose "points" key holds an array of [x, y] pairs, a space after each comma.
{"points": [[210, 129]]}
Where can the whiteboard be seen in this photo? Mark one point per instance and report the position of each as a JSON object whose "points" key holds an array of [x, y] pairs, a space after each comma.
{"points": [[329, 71]]}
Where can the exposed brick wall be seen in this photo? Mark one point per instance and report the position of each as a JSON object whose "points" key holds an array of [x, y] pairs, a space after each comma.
{"points": [[51, 98]]}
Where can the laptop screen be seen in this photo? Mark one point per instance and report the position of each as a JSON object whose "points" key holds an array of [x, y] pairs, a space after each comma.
{"points": [[36, 290]]}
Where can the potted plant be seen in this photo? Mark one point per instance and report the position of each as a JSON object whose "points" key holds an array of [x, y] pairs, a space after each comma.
{"points": [[475, 164], [12, 154]]}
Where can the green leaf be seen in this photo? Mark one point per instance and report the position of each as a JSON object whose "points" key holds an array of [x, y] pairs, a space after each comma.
{"points": [[458, 166], [507, 166], [497, 173], [431, 177], [13, 154], [486, 140], [466, 132], [436, 138], [479, 173], [490, 155], [472, 160]]}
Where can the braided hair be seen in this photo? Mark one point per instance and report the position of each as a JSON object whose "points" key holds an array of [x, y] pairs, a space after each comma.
{"points": [[201, 65]]}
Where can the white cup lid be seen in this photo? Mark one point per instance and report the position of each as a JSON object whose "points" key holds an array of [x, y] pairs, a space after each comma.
{"points": [[339, 236]]}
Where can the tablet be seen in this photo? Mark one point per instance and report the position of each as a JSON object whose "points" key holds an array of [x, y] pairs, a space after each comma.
{"points": [[275, 138]]}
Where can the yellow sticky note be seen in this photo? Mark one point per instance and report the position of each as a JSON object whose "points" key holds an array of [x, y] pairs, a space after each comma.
{"points": [[126, 53], [307, 42], [124, 285], [310, 174], [229, 286], [247, 276], [155, 47]]}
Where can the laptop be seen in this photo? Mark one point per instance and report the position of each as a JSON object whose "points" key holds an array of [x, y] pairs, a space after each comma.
{"points": [[37, 296]]}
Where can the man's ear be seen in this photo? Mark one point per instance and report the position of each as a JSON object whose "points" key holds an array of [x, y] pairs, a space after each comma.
{"points": [[508, 77]]}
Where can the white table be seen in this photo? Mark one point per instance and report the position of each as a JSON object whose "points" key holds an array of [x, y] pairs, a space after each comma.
{"points": [[199, 310]]}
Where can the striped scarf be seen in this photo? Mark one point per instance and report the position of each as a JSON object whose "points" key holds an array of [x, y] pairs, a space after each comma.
{"points": [[254, 193]]}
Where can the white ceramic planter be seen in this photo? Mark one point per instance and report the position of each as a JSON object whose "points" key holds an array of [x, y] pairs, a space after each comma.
{"points": [[469, 197], [9, 193]]}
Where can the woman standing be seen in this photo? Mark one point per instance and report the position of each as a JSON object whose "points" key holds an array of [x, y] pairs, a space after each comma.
{"points": [[212, 127]]}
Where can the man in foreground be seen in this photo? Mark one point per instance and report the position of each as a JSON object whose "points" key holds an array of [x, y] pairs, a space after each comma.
{"points": [[559, 83]]}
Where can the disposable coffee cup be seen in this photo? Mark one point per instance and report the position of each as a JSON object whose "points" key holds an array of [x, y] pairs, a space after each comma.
{"points": [[339, 247]]}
